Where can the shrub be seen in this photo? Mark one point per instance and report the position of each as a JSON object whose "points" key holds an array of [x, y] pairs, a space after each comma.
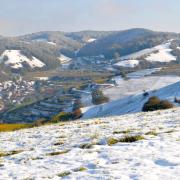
{"points": [[154, 103], [63, 174], [125, 139], [67, 116], [58, 153], [77, 114], [98, 97], [3, 154], [63, 116], [112, 141], [40, 122], [130, 139], [80, 169], [86, 146]]}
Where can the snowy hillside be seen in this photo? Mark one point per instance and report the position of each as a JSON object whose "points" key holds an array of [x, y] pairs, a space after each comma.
{"points": [[160, 53], [163, 54], [131, 104], [128, 63], [137, 84], [44, 40], [64, 59], [15, 59], [94, 149]]}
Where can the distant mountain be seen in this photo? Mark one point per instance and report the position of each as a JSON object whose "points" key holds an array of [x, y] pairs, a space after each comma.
{"points": [[126, 42], [47, 48]]}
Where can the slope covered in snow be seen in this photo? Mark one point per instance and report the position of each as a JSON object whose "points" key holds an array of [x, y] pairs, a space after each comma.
{"points": [[137, 84], [131, 104], [160, 53], [163, 54], [64, 59], [82, 149], [15, 59], [128, 63]]}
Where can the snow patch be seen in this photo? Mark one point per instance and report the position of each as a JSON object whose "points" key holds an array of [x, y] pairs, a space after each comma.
{"points": [[128, 63], [45, 40], [64, 59], [42, 78], [52, 43], [16, 60], [91, 40]]}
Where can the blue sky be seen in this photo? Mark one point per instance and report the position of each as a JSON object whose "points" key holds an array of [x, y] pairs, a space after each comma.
{"points": [[26, 16]]}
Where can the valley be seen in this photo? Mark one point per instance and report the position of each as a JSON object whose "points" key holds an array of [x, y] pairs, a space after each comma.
{"points": [[89, 90], [42, 77]]}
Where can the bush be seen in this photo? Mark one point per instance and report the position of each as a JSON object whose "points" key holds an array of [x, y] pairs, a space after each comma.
{"points": [[125, 139], [63, 116], [77, 114], [98, 97], [67, 116], [154, 103], [130, 139], [40, 122]]}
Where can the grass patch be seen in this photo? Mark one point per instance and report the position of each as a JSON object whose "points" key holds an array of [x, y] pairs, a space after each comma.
{"points": [[86, 146], [4, 154], [36, 158], [80, 169], [122, 132], [58, 153], [63, 174], [112, 141], [154, 133], [125, 139], [169, 131], [130, 139], [13, 127], [59, 143]]}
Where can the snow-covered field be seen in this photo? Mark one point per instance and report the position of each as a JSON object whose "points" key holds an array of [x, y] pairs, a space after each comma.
{"points": [[15, 59], [132, 103], [136, 84], [80, 150], [143, 73]]}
